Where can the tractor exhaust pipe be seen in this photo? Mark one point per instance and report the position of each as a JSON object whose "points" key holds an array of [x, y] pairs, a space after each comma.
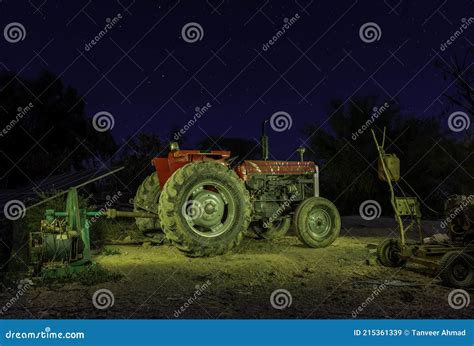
{"points": [[264, 142]]}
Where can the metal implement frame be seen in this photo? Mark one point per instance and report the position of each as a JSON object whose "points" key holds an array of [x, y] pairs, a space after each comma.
{"points": [[420, 252], [71, 256], [403, 206]]}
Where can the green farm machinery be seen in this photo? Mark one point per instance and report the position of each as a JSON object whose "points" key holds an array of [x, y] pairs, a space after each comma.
{"points": [[202, 205], [62, 245], [205, 204], [452, 254]]}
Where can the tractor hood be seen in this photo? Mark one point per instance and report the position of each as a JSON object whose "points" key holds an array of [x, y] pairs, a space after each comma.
{"points": [[249, 167]]}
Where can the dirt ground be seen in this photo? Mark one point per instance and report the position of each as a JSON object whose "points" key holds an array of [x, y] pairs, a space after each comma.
{"points": [[160, 282]]}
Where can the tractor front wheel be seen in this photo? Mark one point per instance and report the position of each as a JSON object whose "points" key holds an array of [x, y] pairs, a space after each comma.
{"points": [[204, 209], [317, 222]]}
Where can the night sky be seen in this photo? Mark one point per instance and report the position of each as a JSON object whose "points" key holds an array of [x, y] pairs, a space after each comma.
{"points": [[144, 73]]}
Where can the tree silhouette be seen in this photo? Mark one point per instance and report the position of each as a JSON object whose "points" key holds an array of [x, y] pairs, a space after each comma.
{"points": [[459, 73], [242, 148], [137, 159], [45, 130], [349, 163]]}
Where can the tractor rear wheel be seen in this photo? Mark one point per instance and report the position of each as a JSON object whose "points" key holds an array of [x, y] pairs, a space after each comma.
{"points": [[317, 222], [204, 209], [457, 269], [146, 200], [388, 253], [274, 230]]}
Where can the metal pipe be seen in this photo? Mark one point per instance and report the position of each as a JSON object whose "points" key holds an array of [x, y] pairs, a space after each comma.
{"points": [[388, 177], [80, 185], [113, 213], [264, 142], [316, 182]]}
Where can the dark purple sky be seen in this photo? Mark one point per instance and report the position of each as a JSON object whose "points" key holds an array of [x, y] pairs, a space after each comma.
{"points": [[151, 80]]}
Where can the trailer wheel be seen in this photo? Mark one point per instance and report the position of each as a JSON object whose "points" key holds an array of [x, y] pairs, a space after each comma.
{"points": [[388, 253], [317, 222], [146, 200], [204, 209], [457, 269], [274, 230]]}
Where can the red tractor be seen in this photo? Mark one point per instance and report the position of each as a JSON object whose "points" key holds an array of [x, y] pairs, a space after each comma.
{"points": [[205, 206]]}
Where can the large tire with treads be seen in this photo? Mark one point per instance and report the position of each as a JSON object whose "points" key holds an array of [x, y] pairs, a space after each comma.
{"points": [[456, 269], [388, 253], [317, 222], [146, 200], [204, 209]]}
